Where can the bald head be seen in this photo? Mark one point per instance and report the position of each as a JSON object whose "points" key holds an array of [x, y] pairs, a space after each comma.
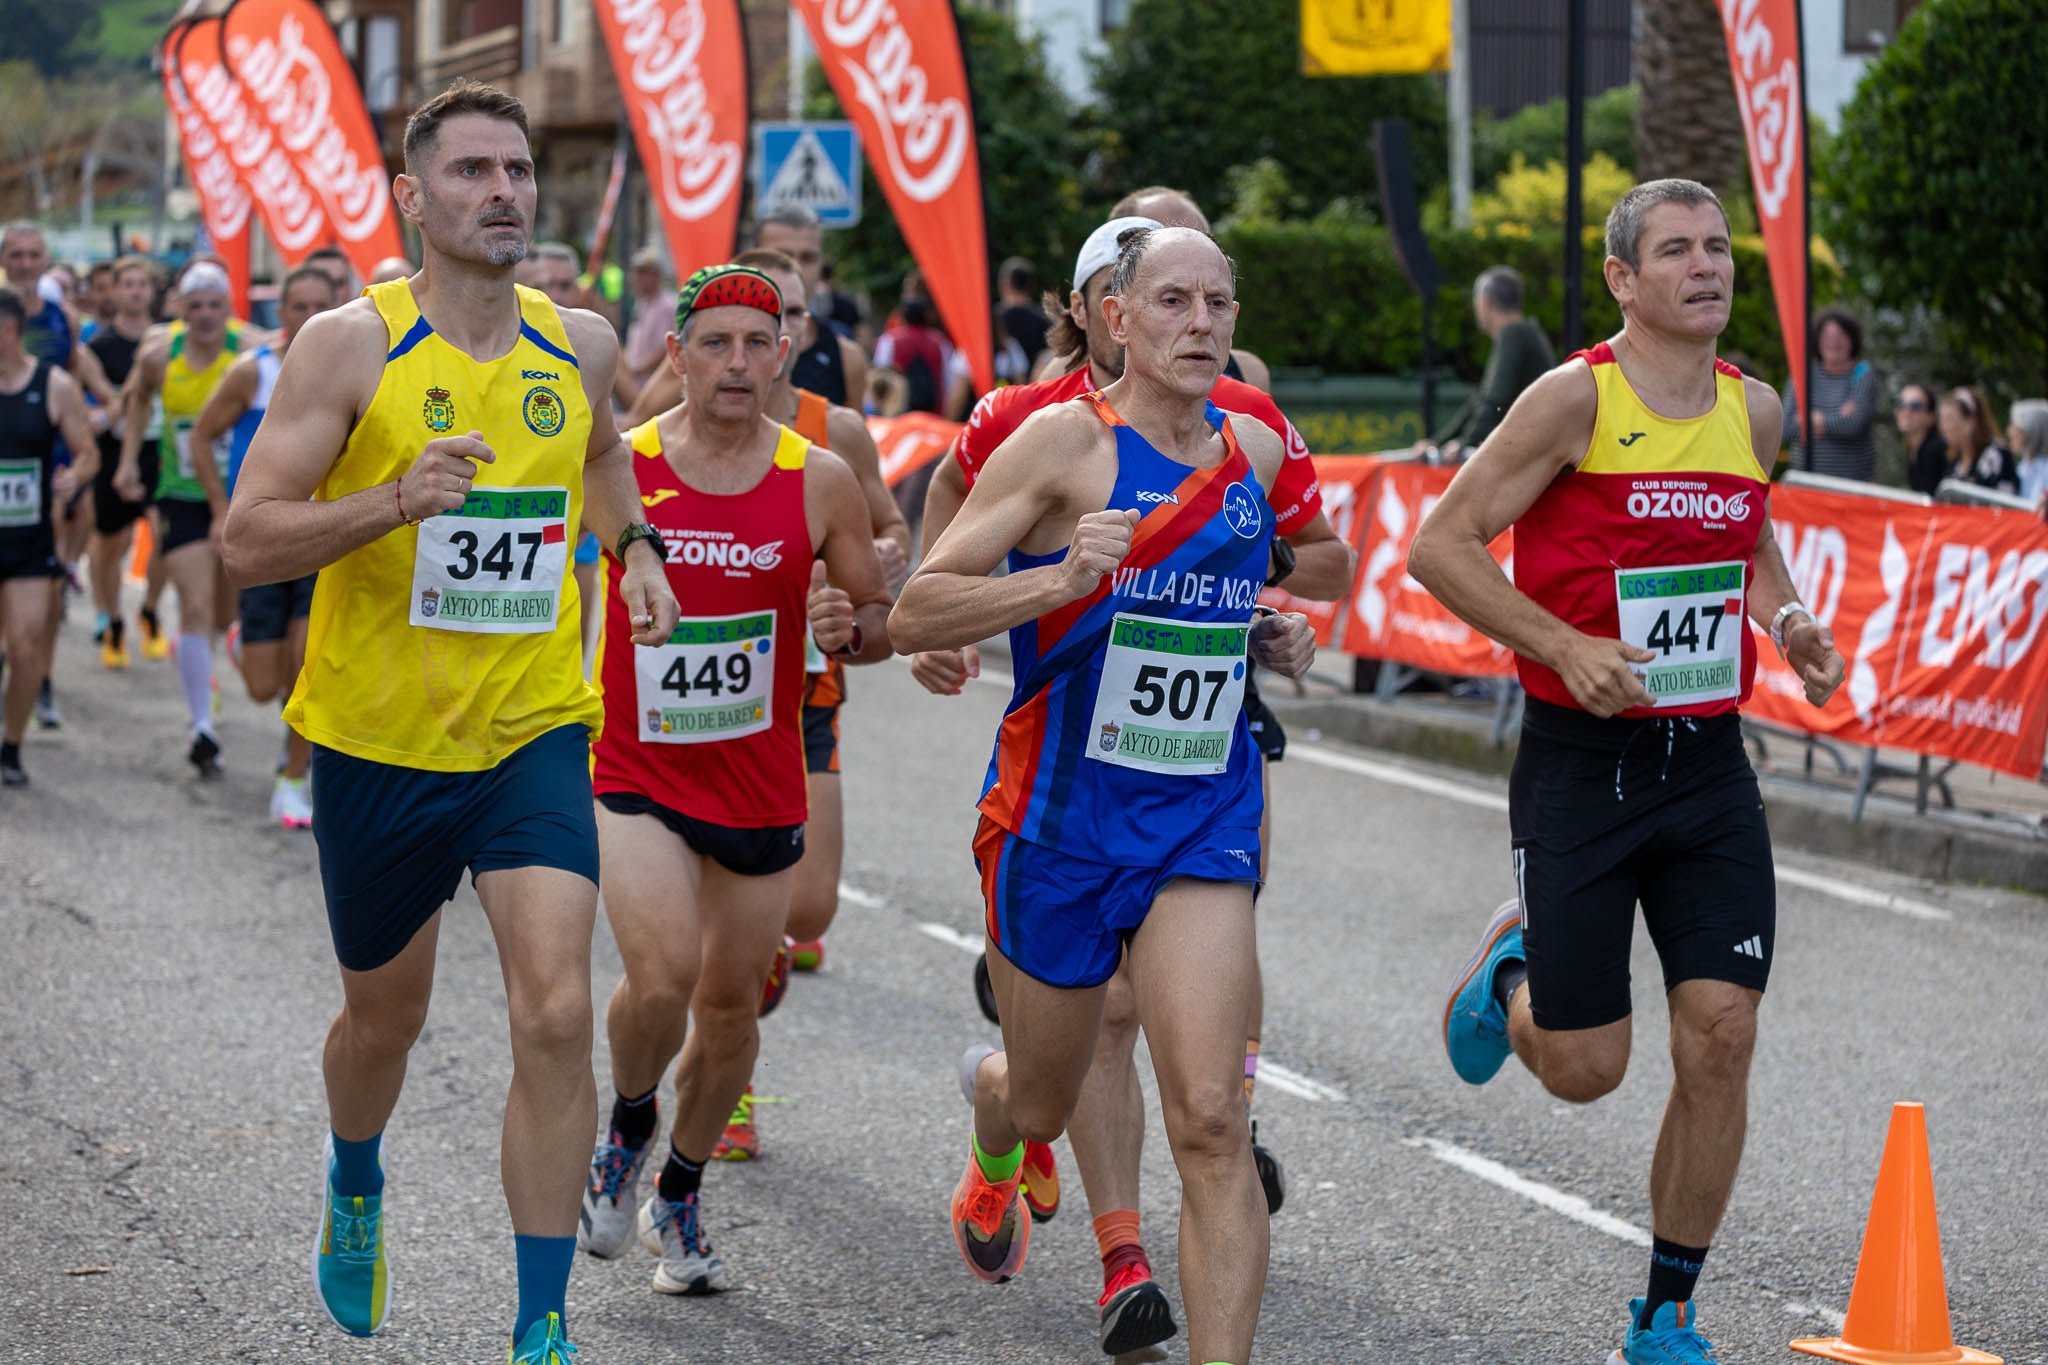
{"points": [[1170, 247], [389, 269], [1169, 207]]}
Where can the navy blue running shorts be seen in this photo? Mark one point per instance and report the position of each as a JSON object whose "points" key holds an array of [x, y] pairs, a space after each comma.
{"points": [[394, 841], [267, 612]]}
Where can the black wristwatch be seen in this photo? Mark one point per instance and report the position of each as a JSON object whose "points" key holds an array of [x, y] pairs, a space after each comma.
{"points": [[1283, 563], [853, 644], [640, 530]]}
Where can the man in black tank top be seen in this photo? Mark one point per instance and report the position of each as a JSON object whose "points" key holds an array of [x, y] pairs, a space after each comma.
{"points": [[38, 405], [115, 347], [826, 362]]}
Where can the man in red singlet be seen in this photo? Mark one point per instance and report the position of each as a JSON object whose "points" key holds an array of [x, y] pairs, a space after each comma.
{"points": [[699, 777], [1636, 478]]}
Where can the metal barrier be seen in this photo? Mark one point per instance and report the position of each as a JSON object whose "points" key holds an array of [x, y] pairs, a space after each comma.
{"points": [[1964, 492]]}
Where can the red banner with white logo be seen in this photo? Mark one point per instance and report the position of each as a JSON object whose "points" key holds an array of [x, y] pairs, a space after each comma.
{"points": [[1939, 612], [1391, 616], [1347, 482], [224, 200], [896, 67], [682, 68], [910, 442], [1767, 57], [293, 73], [291, 208]]}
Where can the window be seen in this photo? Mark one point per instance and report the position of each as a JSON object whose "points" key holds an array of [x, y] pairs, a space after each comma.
{"points": [[1868, 25], [372, 45], [1115, 14]]}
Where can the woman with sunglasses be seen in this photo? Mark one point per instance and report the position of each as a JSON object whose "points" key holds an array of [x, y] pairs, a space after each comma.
{"points": [[1926, 452]]}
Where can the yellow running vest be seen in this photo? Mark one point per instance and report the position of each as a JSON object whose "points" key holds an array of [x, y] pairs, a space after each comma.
{"points": [[181, 399], [448, 645]]}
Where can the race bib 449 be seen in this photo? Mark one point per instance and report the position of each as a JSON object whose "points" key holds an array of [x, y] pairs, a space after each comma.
{"points": [[495, 564]]}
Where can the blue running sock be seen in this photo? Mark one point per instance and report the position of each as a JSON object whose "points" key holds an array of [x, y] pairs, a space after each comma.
{"points": [[543, 1279], [1674, 1270], [357, 1168]]}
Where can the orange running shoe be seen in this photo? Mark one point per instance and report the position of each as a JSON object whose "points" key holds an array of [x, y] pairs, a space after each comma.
{"points": [[807, 956], [989, 1225], [777, 984], [1041, 1187], [739, 1141]]}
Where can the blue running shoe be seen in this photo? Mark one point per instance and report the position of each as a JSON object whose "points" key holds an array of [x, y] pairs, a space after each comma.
{"points": [[1475, 1026], [544, 1344], [349, 1272], [1670, 1339]]}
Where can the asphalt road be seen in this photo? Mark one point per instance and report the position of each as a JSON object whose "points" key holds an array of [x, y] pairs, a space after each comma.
{"points": [[169, 982]]}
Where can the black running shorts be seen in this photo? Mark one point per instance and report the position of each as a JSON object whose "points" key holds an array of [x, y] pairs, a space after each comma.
{"points": [[758, 852], [112, 513], [186, 521], [1606, 814], [267, 611]]}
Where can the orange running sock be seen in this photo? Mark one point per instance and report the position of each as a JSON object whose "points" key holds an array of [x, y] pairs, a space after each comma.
{"points": [[1116, 1235]]}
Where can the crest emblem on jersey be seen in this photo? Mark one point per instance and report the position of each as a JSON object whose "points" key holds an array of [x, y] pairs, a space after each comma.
{"points": [[544, 415], [1109, 737], [1241, 510], [430, 602], [653, 721], [439, 410]]}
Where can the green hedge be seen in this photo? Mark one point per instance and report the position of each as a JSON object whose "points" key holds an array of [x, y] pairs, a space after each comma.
{"points": [[1330, 294]]}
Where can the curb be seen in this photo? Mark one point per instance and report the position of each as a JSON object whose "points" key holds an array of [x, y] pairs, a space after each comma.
{"points": [[1944, 848]]}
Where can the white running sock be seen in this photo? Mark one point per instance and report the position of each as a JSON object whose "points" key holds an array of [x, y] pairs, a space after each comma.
{"points": [[195, 670]]}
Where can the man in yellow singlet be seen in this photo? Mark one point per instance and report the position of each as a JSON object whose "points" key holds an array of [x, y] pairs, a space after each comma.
{"points": [[429, 450]]}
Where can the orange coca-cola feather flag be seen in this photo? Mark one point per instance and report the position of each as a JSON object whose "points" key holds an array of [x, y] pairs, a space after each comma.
{"points": [[682, 68], [225, 202], [293, 75], [896, 67]]}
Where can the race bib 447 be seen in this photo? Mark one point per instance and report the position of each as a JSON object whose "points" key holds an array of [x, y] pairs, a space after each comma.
{"points": [[1691, 616], [495, 564]]}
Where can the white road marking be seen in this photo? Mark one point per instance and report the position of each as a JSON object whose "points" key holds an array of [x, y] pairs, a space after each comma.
{"points": [[946, 933], [1826, 1315], [1294, 1083], [1556, 1200], [1861, 895], [866, 900]]}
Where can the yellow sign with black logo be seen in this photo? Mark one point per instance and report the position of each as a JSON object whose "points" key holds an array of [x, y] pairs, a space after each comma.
{"points": [[1375, 37]]}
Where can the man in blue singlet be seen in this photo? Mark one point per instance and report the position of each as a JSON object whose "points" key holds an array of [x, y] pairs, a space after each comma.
{"points": [[1124, 790]]}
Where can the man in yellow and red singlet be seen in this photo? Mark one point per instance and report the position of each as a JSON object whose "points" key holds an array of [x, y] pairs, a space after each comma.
{"points": [[1635, 476], [429, 450], [700, 774]]}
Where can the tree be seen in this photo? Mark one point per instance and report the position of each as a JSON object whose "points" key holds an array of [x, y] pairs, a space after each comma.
{"points": [[1687, 122], [54, 36], [1191, 88], [1936, 187], [1031, 157], [1536, 133]]}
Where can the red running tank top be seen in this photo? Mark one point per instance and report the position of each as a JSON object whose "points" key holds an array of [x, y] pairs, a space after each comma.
{"points": [[707, 724], [1652, 539]]}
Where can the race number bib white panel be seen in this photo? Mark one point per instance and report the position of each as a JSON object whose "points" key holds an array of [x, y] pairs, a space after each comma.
{"points": [[495, 564], [1692, 617], [181, 447], [21, 493], [1170, 695], [814, 657], [711, 681]]}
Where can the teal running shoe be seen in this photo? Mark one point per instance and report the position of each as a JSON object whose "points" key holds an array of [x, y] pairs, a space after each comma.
{"points": [[349, 1271], [1475, 1026], [1670, 1339], [544, 1344]]}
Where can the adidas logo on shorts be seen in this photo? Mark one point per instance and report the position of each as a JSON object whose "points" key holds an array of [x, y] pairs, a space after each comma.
{"points": [[1752, 946]]}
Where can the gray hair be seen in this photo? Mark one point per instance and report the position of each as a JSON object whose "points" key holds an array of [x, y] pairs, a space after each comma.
{"points": [[557, 251], [21, 225], [1625, 219], [797, 216], [1133, 244], [2030, 415], [1500, 286]]}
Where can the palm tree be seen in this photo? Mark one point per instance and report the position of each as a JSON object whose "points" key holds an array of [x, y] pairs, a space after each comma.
{"points": [[1687, 123]]}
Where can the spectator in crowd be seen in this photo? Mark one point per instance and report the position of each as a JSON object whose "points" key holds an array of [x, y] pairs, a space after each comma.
{"points": [[1019, 316], [1974, 453], [646, 348], [1839, 439], [1926, 452], [1521, 355], [2026, 435], [1012, 366], [915, 348]]}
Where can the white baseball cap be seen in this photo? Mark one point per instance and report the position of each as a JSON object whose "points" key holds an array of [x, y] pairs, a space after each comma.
{"points": [[203, 277], [1100, 251]]}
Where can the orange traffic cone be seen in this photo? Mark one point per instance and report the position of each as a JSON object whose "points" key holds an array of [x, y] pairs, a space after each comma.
{"points": [[1898, 1311], [138, 555]]}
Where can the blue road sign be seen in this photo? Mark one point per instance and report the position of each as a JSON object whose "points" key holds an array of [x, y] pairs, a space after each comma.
{"points": [[813, 164]]}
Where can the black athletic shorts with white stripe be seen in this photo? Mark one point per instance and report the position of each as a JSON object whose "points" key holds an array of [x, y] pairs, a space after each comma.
{"points": [[1605, 814]]}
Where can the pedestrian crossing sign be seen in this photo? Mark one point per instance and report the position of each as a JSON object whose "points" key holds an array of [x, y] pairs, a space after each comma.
{"points": [[816, 165]]}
